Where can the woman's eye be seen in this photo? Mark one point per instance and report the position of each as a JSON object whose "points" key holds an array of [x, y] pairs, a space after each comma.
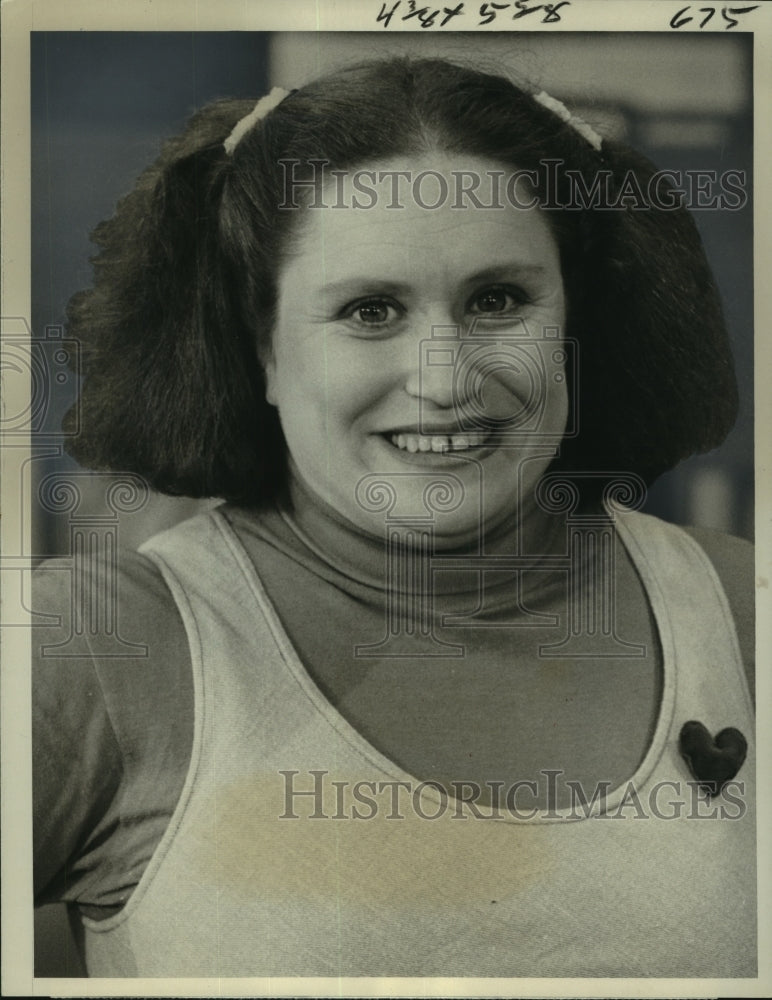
{"points": [[371, 312], [492, 301]]}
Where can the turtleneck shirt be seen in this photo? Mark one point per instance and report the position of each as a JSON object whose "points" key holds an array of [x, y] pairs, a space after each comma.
{"points": [[475, 694]]}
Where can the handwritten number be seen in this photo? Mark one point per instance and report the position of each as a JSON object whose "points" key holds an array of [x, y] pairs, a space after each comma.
{"points": [[678, 20], [552, 11], [383, 16], [489, 10], [425, 18], [458, 9], [731, 22]]}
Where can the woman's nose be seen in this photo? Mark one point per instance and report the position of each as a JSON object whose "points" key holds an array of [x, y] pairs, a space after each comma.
{"points": [[431, 383], [430, 372]]}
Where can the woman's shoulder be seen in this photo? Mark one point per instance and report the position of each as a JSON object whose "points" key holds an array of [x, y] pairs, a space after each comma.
{"points": [[733, 561], [130, 571], [112, 697], [114, 615]]}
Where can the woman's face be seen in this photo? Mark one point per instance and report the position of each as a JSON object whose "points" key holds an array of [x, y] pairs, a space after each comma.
{"points": [[420, 347]]}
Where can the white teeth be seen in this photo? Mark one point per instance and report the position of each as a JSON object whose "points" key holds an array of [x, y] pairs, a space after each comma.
{"points": [[437, 442]]}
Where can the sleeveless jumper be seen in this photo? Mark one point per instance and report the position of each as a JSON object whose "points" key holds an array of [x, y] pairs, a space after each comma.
{"points": [[297, 849]]}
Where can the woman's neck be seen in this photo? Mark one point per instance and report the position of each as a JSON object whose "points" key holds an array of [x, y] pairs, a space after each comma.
{"points": [[333, 539]]}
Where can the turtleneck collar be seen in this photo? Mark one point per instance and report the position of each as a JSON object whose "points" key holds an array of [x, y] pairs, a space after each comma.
{"points": [[313, 533]]}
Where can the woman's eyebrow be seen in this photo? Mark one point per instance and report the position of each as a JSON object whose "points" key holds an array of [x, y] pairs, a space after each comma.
{"points": [[501, 272], [373, 285], [360, 285]]}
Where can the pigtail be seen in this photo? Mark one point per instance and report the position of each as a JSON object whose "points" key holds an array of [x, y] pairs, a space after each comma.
{"points": [[173, 389], [653, 341]]}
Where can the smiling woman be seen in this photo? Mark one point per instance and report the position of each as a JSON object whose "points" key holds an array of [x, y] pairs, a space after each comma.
{"points": [[427, 601], [344, 371]]}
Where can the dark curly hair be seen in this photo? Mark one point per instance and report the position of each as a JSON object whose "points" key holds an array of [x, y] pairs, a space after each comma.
{"points": [[185, 283]]}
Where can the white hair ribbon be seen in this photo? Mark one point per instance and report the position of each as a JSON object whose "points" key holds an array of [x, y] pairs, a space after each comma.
{"points": [[260, 110], [559, 108]]}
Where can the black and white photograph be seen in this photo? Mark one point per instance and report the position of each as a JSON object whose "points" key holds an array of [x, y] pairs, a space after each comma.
{"points": [[386, 526]]}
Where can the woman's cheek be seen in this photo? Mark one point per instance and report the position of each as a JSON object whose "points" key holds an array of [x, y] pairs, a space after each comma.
{"points": [[359, 371]]}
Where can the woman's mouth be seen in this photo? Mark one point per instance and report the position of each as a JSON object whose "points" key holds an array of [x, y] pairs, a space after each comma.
{"points": [[437, 443]]}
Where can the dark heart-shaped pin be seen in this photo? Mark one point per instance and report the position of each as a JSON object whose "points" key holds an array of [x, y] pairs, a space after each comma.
{"points": [[713, 762]]}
